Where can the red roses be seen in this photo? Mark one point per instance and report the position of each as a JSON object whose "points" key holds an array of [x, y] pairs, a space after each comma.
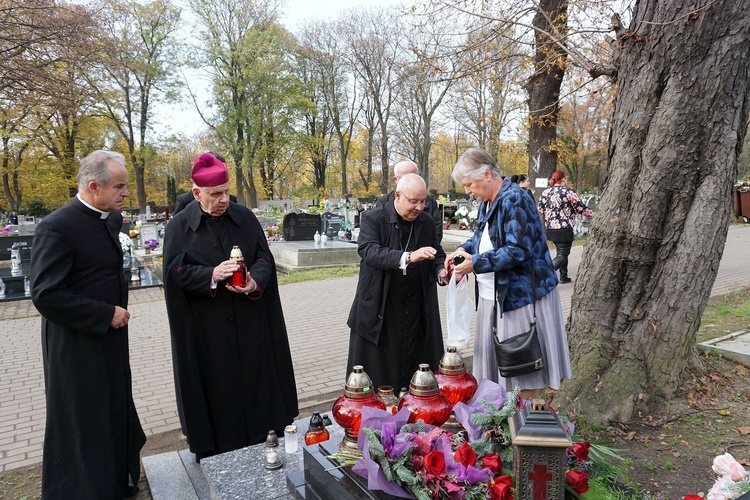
{"points": [[434, 463], [577, 480], [465, 455], [581, 450], [501, 488], [493, 463]]}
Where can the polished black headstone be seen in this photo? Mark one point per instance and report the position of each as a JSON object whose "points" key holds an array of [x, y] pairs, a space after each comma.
{"points": [[301, 227], [325, 479], [332, 223]]}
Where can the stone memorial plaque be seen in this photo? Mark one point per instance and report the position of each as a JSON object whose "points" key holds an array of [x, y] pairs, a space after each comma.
{"points": [[301, 227], [332, 222], [266, 222], [148, 232]]}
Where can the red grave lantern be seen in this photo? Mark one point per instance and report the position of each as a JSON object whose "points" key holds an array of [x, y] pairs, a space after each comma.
{"points": [[453, 379], [424, 399], [455, 383], [347, 409]]}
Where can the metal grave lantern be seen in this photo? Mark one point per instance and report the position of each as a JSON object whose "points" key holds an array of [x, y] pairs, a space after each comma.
{"points": [[539, 443]]}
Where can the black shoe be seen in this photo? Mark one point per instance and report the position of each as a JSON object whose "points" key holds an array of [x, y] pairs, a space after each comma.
{"points": [[564, 280]]}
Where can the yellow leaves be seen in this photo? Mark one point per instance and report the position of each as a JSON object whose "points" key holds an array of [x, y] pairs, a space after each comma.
{"points": [[724, 413]]}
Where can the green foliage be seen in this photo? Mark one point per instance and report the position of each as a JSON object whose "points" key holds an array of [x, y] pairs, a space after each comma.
{"points": [[35, 208], [455, 195]]}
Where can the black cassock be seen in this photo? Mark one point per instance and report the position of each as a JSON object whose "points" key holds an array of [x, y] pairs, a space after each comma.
{"points": [[394, 319], [232, 363], [93, 436]]}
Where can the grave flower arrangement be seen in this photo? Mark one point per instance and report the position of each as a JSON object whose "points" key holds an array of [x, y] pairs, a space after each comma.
{"points": [[418, 460], [151, 244], [8, 231], [733, 481], [125, 243]]}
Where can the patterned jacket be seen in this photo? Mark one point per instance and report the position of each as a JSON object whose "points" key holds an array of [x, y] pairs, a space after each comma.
{"points": [[518, 241], [559, 204]]}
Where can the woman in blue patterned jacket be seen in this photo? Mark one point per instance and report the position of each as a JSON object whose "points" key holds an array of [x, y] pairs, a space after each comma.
{"points": [[508, 240]]}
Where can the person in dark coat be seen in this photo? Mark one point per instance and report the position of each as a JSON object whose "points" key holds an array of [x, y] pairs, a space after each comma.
{"points": [[395, 320], [93, 436], [232, 364], [400, 169], [13, 218]]}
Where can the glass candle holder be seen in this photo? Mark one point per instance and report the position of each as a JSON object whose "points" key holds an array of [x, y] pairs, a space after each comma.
{"points": [[291, 445]]}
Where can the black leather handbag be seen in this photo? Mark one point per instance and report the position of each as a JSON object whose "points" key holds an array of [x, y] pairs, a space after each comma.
{"points": [[520, 354]]}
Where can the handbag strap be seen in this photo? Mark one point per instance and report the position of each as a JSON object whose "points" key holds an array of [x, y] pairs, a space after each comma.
{"points": [[533, 298]]}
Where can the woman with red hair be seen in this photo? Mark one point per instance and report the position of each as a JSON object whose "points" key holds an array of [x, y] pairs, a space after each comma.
{"points": [[559, 205]]}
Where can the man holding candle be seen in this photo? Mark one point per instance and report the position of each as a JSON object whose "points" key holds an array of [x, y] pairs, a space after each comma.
{"points": [[232, 364]]}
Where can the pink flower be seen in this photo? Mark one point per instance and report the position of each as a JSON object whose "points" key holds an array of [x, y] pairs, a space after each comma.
{"points": [[720, 490], [726, 465]]}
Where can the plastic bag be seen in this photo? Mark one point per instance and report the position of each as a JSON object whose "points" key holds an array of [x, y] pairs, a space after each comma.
{"points": [[459, 311]]}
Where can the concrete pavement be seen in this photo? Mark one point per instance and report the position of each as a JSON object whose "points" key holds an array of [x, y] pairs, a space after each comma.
{"points": [[315, 312]]}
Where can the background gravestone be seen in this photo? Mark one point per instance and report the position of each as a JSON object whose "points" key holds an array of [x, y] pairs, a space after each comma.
{"points": [[301, 227], [266, 222], [148, 232], [332, 223]]}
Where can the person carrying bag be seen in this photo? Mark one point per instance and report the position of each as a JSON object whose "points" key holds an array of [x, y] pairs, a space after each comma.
{"points": [[516, 287]]}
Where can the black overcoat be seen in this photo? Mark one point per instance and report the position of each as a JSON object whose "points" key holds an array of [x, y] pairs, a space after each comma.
{"points": [[232, 364], [93, 436], [379, 246]]}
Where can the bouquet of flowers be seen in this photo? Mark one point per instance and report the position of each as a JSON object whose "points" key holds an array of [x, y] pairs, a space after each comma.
{"points": [[462, 211], [733, 481], [431, 463], [151, 244], [426, 461], [8, 231], [125, 243]]}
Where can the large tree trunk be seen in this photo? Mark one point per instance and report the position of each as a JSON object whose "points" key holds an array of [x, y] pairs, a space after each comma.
{"points": [[544, 87], [658, 235]]}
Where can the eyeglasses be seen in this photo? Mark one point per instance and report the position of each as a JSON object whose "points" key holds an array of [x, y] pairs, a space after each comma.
{"points": [[416, 202]]}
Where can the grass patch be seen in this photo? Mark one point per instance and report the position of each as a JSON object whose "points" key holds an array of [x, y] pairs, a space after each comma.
{"points": [[320, 273], [725, 314]]}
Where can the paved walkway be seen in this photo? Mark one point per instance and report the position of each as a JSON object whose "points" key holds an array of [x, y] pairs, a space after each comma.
{"points": [[315, 312]]}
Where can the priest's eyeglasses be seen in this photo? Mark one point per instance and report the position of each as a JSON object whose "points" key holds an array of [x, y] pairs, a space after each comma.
{"points": [[416, 202]]}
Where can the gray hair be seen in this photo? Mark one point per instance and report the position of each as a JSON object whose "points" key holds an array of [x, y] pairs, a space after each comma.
{"points": [[472, 165], [411, 181], [94, 168]]}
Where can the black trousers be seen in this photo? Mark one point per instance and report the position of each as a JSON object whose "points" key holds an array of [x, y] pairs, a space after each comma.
{"points": [[560, 262]]}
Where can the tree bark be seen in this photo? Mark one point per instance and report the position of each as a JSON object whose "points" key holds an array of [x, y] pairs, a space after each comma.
{"points": [[544, 87], [657, 238]]}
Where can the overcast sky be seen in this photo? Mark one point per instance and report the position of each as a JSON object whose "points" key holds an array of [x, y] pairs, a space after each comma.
{"points": [[183, 118]]}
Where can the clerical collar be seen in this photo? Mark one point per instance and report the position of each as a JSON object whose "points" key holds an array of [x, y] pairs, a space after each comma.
{"points": [[102, 214]]}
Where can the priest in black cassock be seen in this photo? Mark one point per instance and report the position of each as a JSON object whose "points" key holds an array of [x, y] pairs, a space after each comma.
{"points": [[395, 320], [232, 364], [93, 437]]}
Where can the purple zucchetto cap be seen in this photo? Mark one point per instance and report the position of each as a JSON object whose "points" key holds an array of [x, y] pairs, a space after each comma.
{"points": [[209, 171]]}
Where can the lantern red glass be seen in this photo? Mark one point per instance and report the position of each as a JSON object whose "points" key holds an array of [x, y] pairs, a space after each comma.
{"points": [[424, 399], [239, 277], [453, 379], [347, 409]]}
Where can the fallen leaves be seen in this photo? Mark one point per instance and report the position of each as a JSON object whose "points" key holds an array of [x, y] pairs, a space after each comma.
{"points": [[744, 430]]}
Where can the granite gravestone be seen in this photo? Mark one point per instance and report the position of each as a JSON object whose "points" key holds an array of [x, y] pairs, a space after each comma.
{"points": [[301, 227], [332, 223], [148, 232], [266, 222]]}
